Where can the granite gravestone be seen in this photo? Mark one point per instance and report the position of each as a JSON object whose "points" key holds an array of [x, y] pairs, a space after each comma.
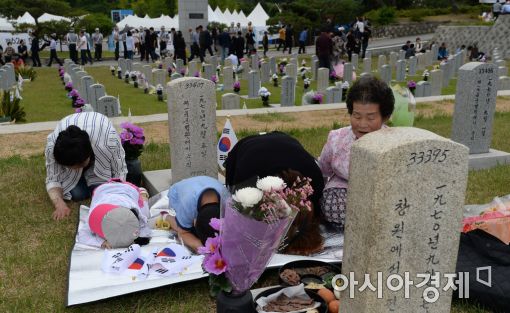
{"points": [[291, 70], [423, 89], [85, 83], [408, 226], [137, 67], [412, 66], [255, 62], [108, 106], [400, 74], [228, 62], [436, 82], [347, 73], [444, 69], [192, 128], [253, 84], [354, 61], [167, 62], [147, 71], [504, 83], [11, 75], [192, 67], [3, 80], [288, 95], [393, 59], [386, 73], [401, 55], [502, 71], [208, 71], [434, 51], [129, 65], [230, 101], [500, 63], [214, 62], [95, 92], [367, 65], [380, 62], [122, 64], [179, 64], [421, 61], [450, 67], [475, 104], [159, 77], [333, 94], [246, 69], [265, 75], [368, 54], [315, 66], [77, 82], [228, 78], [322, 78], [272, 65]]}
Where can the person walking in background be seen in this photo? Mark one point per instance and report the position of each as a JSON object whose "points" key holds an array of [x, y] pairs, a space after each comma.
{"points": [[180, 47], [205, 42], [34, 50], [324, 49], [365, 37], [289, 38], [224, 43], [23, 51], [351, 43], [82, 46], [72, 41], [97, 39], [151, 43], [238, 45], [89, 45], [265, 43], [163, 41], [130, 45], [496, 9], [281, 38], [116, 42], [302, 40], [194, 47], [53, 50], [250, 42]]}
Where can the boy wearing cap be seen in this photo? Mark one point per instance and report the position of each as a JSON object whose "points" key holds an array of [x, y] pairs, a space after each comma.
{"points": [[118, 217], [195, 200]]}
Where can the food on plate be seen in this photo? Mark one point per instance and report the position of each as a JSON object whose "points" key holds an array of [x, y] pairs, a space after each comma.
{"points": [[291, 277], [286, 304], [314, 286], [326, 294], [334, 306]]}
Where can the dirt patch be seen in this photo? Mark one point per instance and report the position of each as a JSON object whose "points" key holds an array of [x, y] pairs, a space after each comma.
{"points": [[27, 144]]}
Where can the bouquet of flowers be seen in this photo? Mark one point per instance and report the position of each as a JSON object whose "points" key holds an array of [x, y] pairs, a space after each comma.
{"points": [[306, 83], [132, 139], [73, 95], [281, 66], [275, 80], [345, 87], [333, 77], [317, 98], [78, 103], [112, 69], [119, 72], [183, 72], [254, 222], [126, 77], [197, 74], [214, 79], [264, 95], [426, 75], [236, 86], [61, 72], [218, 70], [159, 92], [160, 66], [68, 86], [169, 70], [411, 85]]}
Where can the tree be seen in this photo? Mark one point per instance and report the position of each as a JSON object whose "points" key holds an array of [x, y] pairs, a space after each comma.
{"points": [[36, 8], [97, 20]]}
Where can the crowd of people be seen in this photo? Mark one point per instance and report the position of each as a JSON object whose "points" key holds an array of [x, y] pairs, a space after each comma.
{"points": [[85, 158]]}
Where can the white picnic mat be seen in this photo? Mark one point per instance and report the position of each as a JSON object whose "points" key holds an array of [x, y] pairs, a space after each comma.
{"points": [[87, 282]]}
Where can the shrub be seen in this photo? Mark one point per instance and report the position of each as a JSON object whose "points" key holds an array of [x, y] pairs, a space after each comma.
{"points": [[416, 16], [383, 16], [11, 107], [27, 72]]}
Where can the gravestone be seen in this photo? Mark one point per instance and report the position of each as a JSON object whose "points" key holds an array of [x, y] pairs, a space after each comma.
{"points": [[400, 71], [253, 84], [11, 75], [322, 79], [333, 94], [192, 128], [504, 83], [265, 75], [108, 106], [255, 62], [354, 61], [408, 226], [367, 65], [393, 59], [77, 83], [192, 68], [380, 62], [347, 73], [159, 77], [368, 54], [435, 51], [167, 62], [421, 61], [436, 82], [129, 65], [450, 67], [423, 89], [3, 80], [500, 63], [315, 67], [401, 55], [288, 95], [214, 62], [228, 78], [272, 65], [412, 65], [147, 71], [228, 62], [137, 67], [458, 62], [475, 104], [95, 92], [291, 70], [246, 69], [294, 60], [444, 68], [175, 76], [230, 101], [85, 83], [208, 71], [122, 64], [386, 73], [502, 71], [431, 58], [179, 64]]}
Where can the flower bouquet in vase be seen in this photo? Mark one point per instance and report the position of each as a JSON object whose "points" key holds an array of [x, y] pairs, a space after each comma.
{"points": [[237, 87], [119, 72], [126, 77], [254, 222], [411, 85], [112, 69], [264, 95], [275, 80], [159, 92], [132, 138]]}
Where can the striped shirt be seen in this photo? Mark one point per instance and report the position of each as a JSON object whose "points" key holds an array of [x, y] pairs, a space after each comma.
{"points": [[109, 155]]}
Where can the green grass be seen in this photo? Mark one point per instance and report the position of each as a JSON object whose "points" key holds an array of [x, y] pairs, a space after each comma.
{"points": [[272, 117], [33, 277], [65, 54]]}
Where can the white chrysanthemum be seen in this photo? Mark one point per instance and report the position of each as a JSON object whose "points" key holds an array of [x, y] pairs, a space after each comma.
{"points": [[270, 183], [248, 196]]}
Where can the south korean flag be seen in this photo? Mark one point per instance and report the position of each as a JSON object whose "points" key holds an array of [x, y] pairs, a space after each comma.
{"points": [[227, 141]]}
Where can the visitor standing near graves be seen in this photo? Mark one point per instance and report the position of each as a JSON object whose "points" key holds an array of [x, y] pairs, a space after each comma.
{"points": [[278, 154], [324, 49], [496, 9], [505, 9], [164, 37], [350, 45], [238, 45], [442, 52], [82, 152], [136, 39], [215, 33], [410, 52], [123, 36], [116, 37], [118, 217], [365, 37], [194, 47], [302, 40], [82, 46], [89, 45], [250, 42], [224, 43], [193, 203], [289, 38], [130, 45], [34, 50], [370, 103], [151, 43], [205, 42], [180, 47], [419, 46], [281, 38], [72, 42], [9, 52], [53, 50], [23, 51], [142, 44], [97, 38], [17, 61], [265, 43]]}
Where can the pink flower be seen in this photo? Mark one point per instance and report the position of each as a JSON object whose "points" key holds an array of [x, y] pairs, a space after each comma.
{"points": [[137, 141], [126, 136], [77, 110], [211, 246], [215, 264], [215, 223]]}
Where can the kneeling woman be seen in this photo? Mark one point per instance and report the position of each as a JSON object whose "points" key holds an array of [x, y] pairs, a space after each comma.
{"points": [[278, 154]]}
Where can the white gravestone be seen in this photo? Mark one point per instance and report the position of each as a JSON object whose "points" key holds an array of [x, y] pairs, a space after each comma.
{"points": [[230, 101], [246, 69], [253, 84], [367, 65], [129, 65], [95, 92], [85, 83], [322, 78], [504, 83], [265, 75], [147, 71], [380, 62], [409, 225], [386, 73], [272, 65], [228, 78], [412, 66], [393, 59], [108, 106], [355, 61], [122, 64], [159, 77], [400, 72], [348, 73], [192, 128], [208, 71], [291, 70], [423, 89], [288, 95], [333, 94], [436, 82], [193, 67]]}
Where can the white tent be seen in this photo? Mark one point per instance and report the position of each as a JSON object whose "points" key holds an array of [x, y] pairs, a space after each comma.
{"points": [[220, 16], [211, 15], [46, 17], [26, 19], [258, 16], [5, 25], [227, 16]]}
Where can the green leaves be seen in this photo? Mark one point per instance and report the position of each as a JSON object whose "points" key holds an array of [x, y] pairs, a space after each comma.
{"points": [[218, 283]]}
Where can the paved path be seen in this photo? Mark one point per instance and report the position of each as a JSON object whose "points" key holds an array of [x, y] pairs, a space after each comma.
{"points": [[48, 126]]}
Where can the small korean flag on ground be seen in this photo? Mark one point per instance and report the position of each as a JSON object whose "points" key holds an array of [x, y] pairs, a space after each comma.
{"points": [[227, 141]]}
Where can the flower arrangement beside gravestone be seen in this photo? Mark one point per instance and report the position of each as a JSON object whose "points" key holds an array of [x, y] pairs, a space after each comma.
{"points": [[262, 214], [306, 83], [411, 85], [333, 76], [61, 72], [119, 72], [132, 138], [426, 75], [237, 87], [170, 70], [183, 72], [112, 69], [10, 109], [159, 92], [214, 79], [264, 95], [275, 80], [68, 86], [345, 89], [197, 74], [126, 77]]}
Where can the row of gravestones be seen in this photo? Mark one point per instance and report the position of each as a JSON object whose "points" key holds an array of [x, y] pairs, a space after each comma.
{"points": [[499, 61], [92, 93], [7, 76], [417, 181]]}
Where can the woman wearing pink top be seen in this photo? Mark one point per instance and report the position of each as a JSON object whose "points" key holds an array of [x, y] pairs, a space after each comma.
{"points": [[370, 104]]}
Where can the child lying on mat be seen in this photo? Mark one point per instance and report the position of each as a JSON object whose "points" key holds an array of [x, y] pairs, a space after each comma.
{"points": [[118, 217]]}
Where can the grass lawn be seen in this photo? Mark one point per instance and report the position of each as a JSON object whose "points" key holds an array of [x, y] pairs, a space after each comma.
{"points": [[33, 277]]}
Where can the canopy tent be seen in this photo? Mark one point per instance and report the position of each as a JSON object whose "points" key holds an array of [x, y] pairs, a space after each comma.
{"points": [[46, 17], [212, 15], [219, 14], [26, 19], [137, 22], [258, 16], [5, 25]]}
